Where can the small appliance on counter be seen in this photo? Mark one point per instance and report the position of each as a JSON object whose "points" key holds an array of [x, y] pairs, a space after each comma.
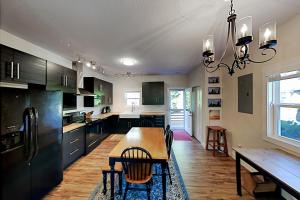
{"points": [[105, 109]]}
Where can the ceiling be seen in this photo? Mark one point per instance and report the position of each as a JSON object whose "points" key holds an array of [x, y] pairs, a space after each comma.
{"points": [[165, 36]]}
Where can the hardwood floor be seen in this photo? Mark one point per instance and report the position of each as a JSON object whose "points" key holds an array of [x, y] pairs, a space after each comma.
{"points": [[205, 177]]}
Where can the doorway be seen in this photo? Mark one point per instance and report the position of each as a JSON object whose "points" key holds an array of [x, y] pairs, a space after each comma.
{"points": [[197, 118], [176, 108]]}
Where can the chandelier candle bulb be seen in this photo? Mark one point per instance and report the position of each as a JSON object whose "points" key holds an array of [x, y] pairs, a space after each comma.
{"points": [[244, 31], [267, 35], [208, 46]]}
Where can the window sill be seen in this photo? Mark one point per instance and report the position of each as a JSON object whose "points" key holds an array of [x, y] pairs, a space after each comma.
{"points": [[284, 143]]}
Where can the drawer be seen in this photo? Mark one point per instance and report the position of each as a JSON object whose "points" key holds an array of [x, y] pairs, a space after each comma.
{"points": [[92, 145], [72, 156], [70, 136]]}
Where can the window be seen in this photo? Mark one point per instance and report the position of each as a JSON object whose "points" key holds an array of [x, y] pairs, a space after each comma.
{"points": [[284, 107], [132, 98]]}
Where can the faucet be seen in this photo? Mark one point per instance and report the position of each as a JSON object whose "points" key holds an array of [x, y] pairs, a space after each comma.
{"points": [[132, 107]]}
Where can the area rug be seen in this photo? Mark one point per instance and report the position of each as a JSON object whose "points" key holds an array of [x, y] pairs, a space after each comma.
{"points": [[176, 191], [181, 135]]}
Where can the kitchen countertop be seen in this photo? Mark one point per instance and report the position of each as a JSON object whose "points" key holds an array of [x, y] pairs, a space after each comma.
{"points": [[73, 126]]}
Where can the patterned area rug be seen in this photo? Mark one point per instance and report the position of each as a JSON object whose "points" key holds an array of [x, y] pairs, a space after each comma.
{"points": [[176, 191]]}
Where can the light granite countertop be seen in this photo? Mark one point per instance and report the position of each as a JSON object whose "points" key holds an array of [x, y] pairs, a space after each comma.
{"points": [[73, 126]]}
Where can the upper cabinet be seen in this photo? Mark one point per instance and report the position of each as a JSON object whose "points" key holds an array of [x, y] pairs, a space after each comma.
{"points": [[61, 78], [20, 67], [102, 89], [153, 93]]}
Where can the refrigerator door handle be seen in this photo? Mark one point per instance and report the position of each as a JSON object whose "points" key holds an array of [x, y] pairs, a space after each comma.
{"points": [[27, 119], [36, 117]]}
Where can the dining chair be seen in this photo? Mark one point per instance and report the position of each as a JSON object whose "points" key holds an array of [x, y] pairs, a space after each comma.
{"points": [[136, 169], [167, 129], [169, 142], [106, 170]]}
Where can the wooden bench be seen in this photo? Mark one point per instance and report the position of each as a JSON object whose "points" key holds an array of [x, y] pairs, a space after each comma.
{"points": [[282, 168]]}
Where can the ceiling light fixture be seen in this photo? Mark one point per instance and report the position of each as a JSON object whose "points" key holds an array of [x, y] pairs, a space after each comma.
{"points": [[241, 37], [79, 60], [88, 64], [128, 61]]}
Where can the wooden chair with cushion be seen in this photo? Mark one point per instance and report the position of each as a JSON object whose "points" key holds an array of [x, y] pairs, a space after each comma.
{"points": [[106, 170], [136, 168], [169, 142]]}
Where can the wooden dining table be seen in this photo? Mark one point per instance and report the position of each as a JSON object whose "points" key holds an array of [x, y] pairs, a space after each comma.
{"points": [[151, 139]]}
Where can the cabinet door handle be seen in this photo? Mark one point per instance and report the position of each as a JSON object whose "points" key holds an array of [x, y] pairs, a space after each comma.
{"points": [[18, 70], [74, 141], [63, 80], [66, 80], [74, 151], [12, 70]]}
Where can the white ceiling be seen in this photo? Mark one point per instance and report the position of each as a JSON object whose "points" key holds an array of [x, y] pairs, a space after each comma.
{"points": [[165, 36]]}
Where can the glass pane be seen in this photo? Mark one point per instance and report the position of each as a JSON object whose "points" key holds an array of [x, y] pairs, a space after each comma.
{"points": [[136, 102], [177, 99], [290, 90], [134, 95], [290, 122]]}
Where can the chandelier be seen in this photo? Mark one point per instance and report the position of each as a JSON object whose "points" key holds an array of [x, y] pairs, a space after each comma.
{"points": [[240, 34]]}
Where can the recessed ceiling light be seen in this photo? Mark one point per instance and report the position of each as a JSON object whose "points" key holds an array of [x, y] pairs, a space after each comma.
{"points": [[128, 61]]}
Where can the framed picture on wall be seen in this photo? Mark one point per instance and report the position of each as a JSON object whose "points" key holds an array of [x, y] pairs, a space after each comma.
{"points": [[213, 80], [214, 115], [214, 103], [214, 90]]}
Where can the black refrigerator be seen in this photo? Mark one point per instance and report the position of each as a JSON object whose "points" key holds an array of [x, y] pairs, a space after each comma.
{"points": [[31, 142]]}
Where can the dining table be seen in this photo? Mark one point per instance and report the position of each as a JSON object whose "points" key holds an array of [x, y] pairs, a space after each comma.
{"points": [[150, 138]]}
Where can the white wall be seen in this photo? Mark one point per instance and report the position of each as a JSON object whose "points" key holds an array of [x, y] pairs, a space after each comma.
{"points": [[124, 84], [247, 130]]}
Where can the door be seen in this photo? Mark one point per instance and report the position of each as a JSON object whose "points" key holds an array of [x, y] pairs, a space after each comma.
{"points": [[197, 119], [55, 76], [14, 168], [176, 108], [71, 80], [46, 165], [29, 69], [7, 64], [188, 111]]}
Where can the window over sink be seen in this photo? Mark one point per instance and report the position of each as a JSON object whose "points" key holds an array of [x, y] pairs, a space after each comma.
{"points": [[132, 98]]}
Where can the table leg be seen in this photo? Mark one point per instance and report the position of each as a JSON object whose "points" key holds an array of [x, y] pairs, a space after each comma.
{"points": [[112, 178], [164, 184], [207, 138], [214, 143], [238, 173]]}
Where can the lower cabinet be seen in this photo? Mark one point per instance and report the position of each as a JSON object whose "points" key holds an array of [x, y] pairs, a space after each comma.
{"points": [[92, 136], [125, 124], [73, 145], [156, 120]]}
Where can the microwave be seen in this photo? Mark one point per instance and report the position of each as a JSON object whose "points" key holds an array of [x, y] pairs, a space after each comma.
{"points": [[69, 101]]}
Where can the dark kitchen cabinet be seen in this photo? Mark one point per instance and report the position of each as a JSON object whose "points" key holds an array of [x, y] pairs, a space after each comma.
{"points": [[103, 92], [125, 124], [153, 93], [92, 136], [156, 120], [20, 67], [73, 145], [61, 78]]}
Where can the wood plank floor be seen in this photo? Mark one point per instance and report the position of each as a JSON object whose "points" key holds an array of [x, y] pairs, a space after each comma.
{"points": [[205, 177]]}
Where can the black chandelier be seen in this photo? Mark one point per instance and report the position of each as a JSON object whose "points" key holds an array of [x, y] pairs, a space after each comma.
{"points": [[241, 37]]}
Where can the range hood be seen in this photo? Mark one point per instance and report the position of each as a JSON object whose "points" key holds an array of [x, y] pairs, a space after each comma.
{"points": [[83, 92], [80, 90]]}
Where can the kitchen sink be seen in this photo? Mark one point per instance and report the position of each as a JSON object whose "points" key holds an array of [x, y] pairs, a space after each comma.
{"points": [[131, 115]]}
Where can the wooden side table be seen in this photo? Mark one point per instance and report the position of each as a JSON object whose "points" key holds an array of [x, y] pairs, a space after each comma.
{"points": [[216, 142]]}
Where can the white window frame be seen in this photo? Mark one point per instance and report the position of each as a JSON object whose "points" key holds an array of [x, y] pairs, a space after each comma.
{"points": [[125, 97], [273, 116]]}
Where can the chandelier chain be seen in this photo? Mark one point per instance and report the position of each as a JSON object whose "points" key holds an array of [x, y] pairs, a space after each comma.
{"points": [[232, 11]]}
